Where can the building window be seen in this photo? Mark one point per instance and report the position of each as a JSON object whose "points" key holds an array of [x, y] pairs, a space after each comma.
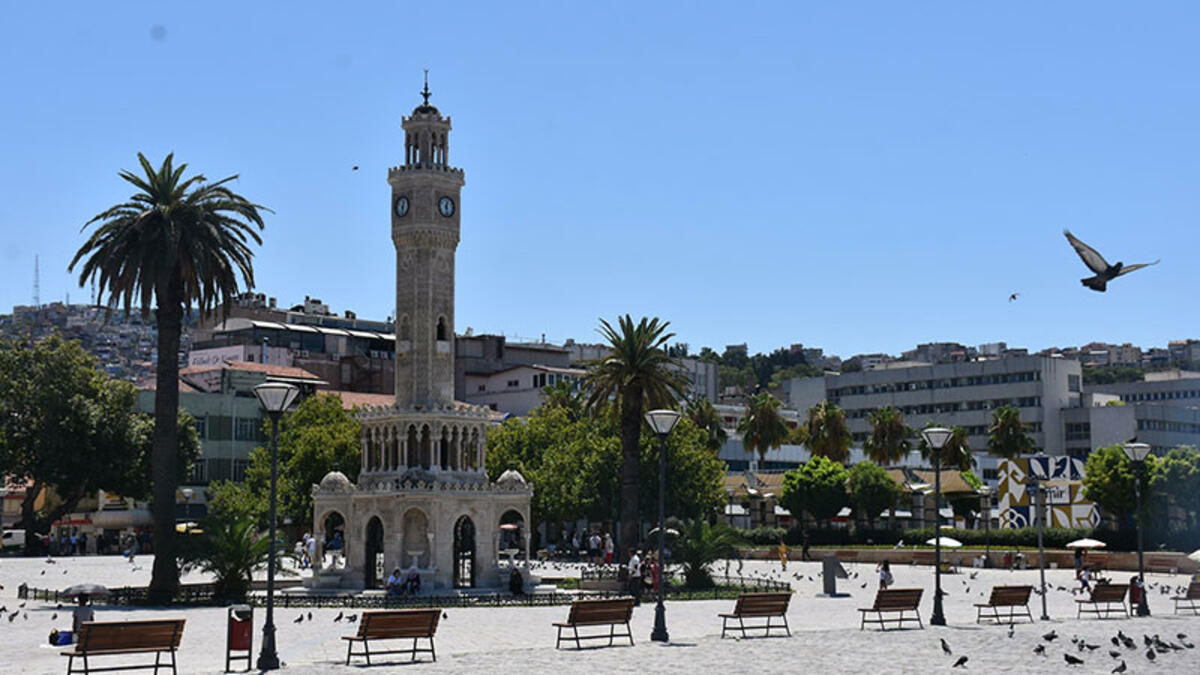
{"points": [[514, 383], [482, 387], [245, 429], [202, 427], [1073, 384]]}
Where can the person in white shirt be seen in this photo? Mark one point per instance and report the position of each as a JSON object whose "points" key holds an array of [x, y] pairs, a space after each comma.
{"points": [[608, 549], [634, 567]]}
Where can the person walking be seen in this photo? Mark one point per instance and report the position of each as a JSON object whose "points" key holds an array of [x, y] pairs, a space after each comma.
{"points": [[782, 552], [608, 548], [594, 548], [634, 576], [885, 575], [1078, 562], [804, 547]]}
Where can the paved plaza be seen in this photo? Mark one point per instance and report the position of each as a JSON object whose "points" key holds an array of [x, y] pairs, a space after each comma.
{"points": [[826, 635]]}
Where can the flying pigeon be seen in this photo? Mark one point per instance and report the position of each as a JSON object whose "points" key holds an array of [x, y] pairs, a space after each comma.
{"points": [[1014, 296], [1096, 263]]}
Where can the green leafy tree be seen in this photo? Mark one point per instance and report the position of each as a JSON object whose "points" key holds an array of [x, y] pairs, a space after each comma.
{"points": [[818, 488], [231, 550], [566, 395], [68, 429], [177, 243], [315, 437], [636, 372], [871, 490], [890, 439], [1006, 436], [698, 546], [574, 466], [705, 416], [1109, 480], [956, 453], [826, 433], [1178, 479], [762, 427]]}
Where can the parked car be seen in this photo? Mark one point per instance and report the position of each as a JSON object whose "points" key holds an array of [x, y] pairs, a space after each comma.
{"points": [[14, 539]]}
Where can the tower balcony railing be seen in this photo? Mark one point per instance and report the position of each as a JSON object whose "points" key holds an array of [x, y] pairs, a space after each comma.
{"points": [[425, 168]]}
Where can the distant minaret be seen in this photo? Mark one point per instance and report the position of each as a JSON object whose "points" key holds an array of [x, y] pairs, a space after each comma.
{"points": [[37, 290]]}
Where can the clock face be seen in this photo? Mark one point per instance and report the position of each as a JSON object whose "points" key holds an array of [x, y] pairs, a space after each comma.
{"points": [[446, 206], [401, 207]]}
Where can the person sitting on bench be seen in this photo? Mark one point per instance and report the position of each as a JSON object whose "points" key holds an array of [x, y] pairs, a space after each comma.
{"points": [[412, 584], [395, 587], [82, 614]]}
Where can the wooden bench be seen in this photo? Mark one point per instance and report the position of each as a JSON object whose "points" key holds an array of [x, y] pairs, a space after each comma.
{"points": [[609, 612], [923, 557], [1191, 598], [157, 636], [896, 600], [394, 624], [1012, 597], [1106, 595], [758, 606], [1162, 563]]}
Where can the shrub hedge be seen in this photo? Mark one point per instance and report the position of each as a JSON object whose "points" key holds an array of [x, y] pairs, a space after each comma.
{"points": [[1052, 537]]}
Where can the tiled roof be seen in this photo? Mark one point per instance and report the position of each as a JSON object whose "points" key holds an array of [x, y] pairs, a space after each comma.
{"points": [[270, 370], [354, 399]]}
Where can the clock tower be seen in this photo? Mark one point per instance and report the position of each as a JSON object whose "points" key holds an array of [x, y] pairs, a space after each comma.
{"points": [[425, 232]]}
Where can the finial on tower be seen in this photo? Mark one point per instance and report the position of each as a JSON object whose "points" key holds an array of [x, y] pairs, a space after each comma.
{"points": [[425, 92]]}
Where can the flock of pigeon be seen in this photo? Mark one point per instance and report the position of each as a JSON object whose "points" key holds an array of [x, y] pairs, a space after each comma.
{"points": [[1153, 643]]}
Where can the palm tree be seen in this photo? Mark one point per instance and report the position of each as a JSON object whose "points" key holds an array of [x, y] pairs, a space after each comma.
{"points": [[231, 551], [637, 371], [1006, 437], [700, 545], [705, 417], [827, 433], [178, 242], [956, 453], [564, 394], [762, 428], [890, 438]]}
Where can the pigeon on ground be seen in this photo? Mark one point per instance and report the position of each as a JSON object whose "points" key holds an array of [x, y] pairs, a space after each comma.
{"points": [[946, 647], [1040, 650], [1090, 648], [310, 616], [1150, 654], [298, 619], [1011, 631], [962, 661], [352, 618], [22, 605], [1072, 660], [12, 617], [337, 618], [54, 616], [1050, 637], [1096, 263], [1181, 636], [444, 615]]}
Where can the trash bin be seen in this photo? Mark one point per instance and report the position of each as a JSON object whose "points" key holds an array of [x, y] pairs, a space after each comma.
{"points": [[239, 635]]}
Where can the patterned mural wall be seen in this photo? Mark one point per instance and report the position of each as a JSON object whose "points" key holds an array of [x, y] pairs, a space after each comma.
{"points": [[1065, 502]]}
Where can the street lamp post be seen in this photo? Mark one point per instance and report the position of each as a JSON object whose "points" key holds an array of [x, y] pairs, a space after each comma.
{"points": [[662, 422], [187, 508], [1039, 498], [985, 493], [936, 438], [1137, 453], [275, 398]]}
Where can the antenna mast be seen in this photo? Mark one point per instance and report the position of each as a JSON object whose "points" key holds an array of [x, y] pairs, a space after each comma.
{"points": [[37, 293]]}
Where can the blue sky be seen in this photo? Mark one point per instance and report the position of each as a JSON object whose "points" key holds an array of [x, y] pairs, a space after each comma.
{"points": [[856, 176]]}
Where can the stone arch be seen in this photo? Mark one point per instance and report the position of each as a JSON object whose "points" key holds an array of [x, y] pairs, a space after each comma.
{"points": [[416, 539], [426, 447], [330, 533], [414, 447], [512, 537], [464, 552], [373, 553], [444, 448]]}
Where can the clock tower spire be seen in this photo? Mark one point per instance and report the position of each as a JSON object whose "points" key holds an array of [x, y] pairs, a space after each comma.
{"points": [[425, 232]]}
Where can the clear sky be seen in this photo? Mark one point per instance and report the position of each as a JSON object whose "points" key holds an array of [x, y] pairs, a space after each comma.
{"points": [[857, 176]]}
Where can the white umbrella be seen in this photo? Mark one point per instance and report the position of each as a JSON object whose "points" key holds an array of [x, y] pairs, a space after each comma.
{"points": [[1086, 543], [945, 541], [670, 530], [1194, 555]]}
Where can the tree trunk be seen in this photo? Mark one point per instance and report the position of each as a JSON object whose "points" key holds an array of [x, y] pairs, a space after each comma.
{"points": [[631, 432], [165, 579], [28, 517]]}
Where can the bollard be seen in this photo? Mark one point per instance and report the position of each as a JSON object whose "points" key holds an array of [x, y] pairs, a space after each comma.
{"points": [[831, 571], [239, 635]]}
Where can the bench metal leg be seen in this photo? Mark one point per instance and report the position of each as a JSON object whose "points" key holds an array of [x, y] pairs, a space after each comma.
{"points": [[349, 646], [157, 656], [785, 626], [414, 649], [367, 650], [432, 653]]}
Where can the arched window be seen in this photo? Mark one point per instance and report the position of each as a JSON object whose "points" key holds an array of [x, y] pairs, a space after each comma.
{"points": [[441, 328]]}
